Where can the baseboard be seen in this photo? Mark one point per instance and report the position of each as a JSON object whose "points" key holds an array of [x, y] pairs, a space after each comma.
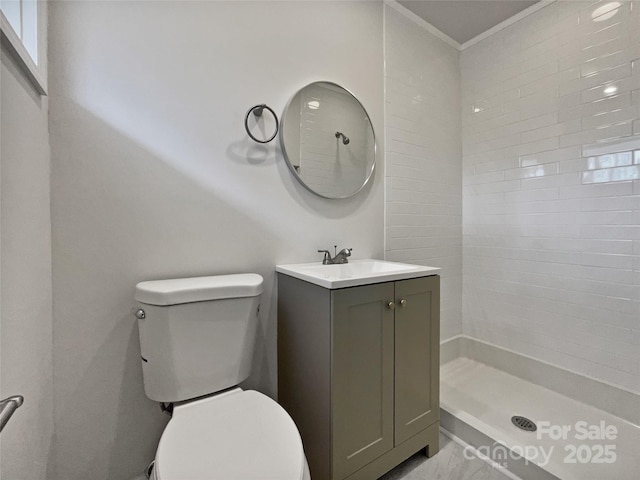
{"points": [[450, 349]]}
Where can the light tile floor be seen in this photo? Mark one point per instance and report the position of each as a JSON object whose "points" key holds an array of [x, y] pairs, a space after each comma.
{"points": [[449, 464]]}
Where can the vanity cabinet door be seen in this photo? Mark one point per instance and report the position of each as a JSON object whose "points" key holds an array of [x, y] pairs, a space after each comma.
{"points": [[417, 354], [362, 376]]}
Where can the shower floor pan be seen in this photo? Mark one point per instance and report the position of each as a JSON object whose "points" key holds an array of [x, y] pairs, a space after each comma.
{"points": [[477, 402]]}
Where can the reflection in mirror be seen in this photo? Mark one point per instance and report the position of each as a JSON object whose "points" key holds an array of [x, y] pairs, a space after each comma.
{"points": [[328, 140]]}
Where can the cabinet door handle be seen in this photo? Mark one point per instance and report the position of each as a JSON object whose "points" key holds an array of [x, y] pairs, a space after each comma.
{"points": [[403, 303], [391, 305]]}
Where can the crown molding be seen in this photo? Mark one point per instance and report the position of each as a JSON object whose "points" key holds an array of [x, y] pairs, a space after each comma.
{"points": [[450, 41], [507, 23], [423, 23]]}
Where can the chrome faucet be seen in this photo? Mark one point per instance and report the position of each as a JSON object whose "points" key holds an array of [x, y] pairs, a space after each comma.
{"points": [[340, 257]]}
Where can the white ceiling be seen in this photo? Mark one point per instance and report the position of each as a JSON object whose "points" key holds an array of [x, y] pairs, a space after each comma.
{"points": [[463, 20]]}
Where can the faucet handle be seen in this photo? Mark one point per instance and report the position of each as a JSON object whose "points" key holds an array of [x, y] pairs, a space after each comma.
{"points": [[327, 256]]}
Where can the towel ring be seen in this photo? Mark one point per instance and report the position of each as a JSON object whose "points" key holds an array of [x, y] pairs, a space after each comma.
{"points": [[257, 111]]}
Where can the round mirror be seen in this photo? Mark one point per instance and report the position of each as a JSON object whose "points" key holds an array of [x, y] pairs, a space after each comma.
{"points": [[328, 140]]}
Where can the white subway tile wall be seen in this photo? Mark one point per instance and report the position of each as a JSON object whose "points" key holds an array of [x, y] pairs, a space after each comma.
{"points": [[423, 198], [551, 188]]}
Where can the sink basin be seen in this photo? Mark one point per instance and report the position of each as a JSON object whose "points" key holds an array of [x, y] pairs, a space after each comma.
{"points": [[356, 272]]}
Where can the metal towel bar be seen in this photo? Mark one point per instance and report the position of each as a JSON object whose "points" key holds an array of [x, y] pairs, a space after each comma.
{"points": [[7, 407]]}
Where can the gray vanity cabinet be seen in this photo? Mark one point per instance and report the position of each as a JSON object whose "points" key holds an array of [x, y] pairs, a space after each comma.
{"points": [[358, 372], [417, 356], [362, 376]]}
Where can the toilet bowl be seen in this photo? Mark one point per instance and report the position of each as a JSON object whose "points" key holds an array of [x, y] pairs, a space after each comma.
{"points": [[196, 339], [234, 435]]}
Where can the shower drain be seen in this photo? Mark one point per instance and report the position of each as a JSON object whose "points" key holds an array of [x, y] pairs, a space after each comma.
{"points": [[523, 423]]}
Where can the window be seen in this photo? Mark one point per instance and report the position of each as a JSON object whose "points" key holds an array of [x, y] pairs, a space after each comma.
{"points": [[23, 24]]}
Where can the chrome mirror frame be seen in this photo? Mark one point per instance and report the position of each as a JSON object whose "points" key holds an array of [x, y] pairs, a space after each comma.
{"points": [[290, 165]]}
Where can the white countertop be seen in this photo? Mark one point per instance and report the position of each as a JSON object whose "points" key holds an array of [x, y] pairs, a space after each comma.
{"points": [[354, 273]]}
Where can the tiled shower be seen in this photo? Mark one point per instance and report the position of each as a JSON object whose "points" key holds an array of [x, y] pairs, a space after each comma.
{"points": [[537, 228], [551, 174], [550, 238]]}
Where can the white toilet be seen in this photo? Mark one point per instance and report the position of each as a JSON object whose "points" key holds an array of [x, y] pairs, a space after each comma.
{"points": [[197, 337]]}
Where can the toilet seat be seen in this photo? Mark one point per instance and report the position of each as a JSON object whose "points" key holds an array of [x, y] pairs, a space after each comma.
{"points": [[236, 435]]}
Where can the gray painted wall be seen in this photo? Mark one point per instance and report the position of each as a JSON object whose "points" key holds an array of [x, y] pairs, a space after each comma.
{"points": [[154, 177], [26, 322]]}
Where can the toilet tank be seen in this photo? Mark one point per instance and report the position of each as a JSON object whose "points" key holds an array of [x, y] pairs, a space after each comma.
{"points": [[197, 334]]}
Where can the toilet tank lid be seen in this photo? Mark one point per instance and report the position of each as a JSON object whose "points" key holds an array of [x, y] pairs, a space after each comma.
{"points": [[198, 289]]}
